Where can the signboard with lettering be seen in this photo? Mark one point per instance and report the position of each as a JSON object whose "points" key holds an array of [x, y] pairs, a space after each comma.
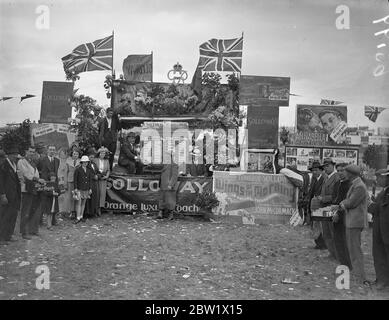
{"points": [[262, 126], [137, 193], [254, 196], [52, 133], [138, 67], [55, 106], [259, 91], [320, 125]]}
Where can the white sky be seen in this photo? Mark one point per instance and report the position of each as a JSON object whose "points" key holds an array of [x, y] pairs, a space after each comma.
{"points": [[293, 38]]}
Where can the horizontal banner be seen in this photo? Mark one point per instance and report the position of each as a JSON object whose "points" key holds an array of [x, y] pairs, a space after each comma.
{"points": [[141, 193], [254, 194]]}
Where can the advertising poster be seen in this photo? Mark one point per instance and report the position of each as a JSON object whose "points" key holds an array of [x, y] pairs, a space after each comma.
{"points": [[341, 155], [321, 125], [55, 107], [301, 158], [254, 196], [260, 162], [264, 91], [262, 126], [137, 193], [52, 133]]}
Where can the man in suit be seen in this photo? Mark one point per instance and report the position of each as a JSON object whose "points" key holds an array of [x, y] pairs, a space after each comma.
{"points": [[168, 185], [340, 193], [47, 165], [318, 177], [108, 128], [326, 199], [10, 195], [355, 219], [29, 211], [380, 210], [128, 156]]}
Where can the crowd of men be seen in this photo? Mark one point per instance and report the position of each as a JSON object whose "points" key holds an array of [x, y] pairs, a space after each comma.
{"points": [[340, 188]]}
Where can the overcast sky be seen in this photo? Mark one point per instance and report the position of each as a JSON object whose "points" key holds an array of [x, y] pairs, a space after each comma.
{"points": [[291, 38]]}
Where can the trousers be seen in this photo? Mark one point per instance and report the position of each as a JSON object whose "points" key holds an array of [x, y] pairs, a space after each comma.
{"points": [[353, 239], [380, 254], [29, 214]]}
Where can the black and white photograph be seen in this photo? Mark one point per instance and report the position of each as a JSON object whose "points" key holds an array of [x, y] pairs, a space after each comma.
{"points": [[182, 152]]}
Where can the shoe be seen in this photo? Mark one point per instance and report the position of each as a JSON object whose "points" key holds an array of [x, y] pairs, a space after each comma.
{"points": [[160, 215], [77, 221], [171, 216], [35, 234], [50, 228], [26, 237], [83, 220]]}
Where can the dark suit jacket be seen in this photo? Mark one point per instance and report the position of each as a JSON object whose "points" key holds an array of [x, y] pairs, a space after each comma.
{"points": [[45, 167], [380, 210], [108, 136], [327, 190], [82, 179], [127, 154], [315, 187], [10, 185]]}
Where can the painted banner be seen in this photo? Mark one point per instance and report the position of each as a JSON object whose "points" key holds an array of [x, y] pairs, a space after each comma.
{"points": [[55, 107], [320, 125], [52, 133], [262, 126], [138, 67], [141, 193], [254, 195], [264, 91]]}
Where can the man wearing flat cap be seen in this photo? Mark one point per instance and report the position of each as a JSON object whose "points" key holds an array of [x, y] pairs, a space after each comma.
{"points": [[355, 220], [10, 195], [380, 210], [326, 199]]}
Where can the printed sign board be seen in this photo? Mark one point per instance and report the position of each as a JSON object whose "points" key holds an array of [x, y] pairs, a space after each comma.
{"points": [[55, 107], [260, 91]]}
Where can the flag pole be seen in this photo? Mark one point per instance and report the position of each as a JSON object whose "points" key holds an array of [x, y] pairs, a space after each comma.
{"points": [[113, 45], [152, 66]]}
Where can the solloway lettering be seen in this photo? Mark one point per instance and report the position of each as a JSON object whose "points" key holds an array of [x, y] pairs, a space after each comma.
{"points": [[131, 184], [54, 97]]}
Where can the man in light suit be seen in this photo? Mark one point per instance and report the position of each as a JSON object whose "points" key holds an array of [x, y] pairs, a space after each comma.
{"points": [[355, 220], [380, 210], [326, 199], [10, 195], [108, 128]]}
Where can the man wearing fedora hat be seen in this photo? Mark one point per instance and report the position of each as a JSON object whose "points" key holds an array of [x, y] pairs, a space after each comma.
{"points": [[10, 195], [326, 199], [355, 219], [380, 210]]}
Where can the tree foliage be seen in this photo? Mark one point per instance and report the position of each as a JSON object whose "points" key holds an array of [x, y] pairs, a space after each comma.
{"points": [[86, 121], [284, 135], [19, 137], [376, 156]]}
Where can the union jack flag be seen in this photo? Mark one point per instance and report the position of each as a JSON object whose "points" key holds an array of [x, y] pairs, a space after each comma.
{"points": [[330, 102], [221, 55], [372, 112], [96, 55]]}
